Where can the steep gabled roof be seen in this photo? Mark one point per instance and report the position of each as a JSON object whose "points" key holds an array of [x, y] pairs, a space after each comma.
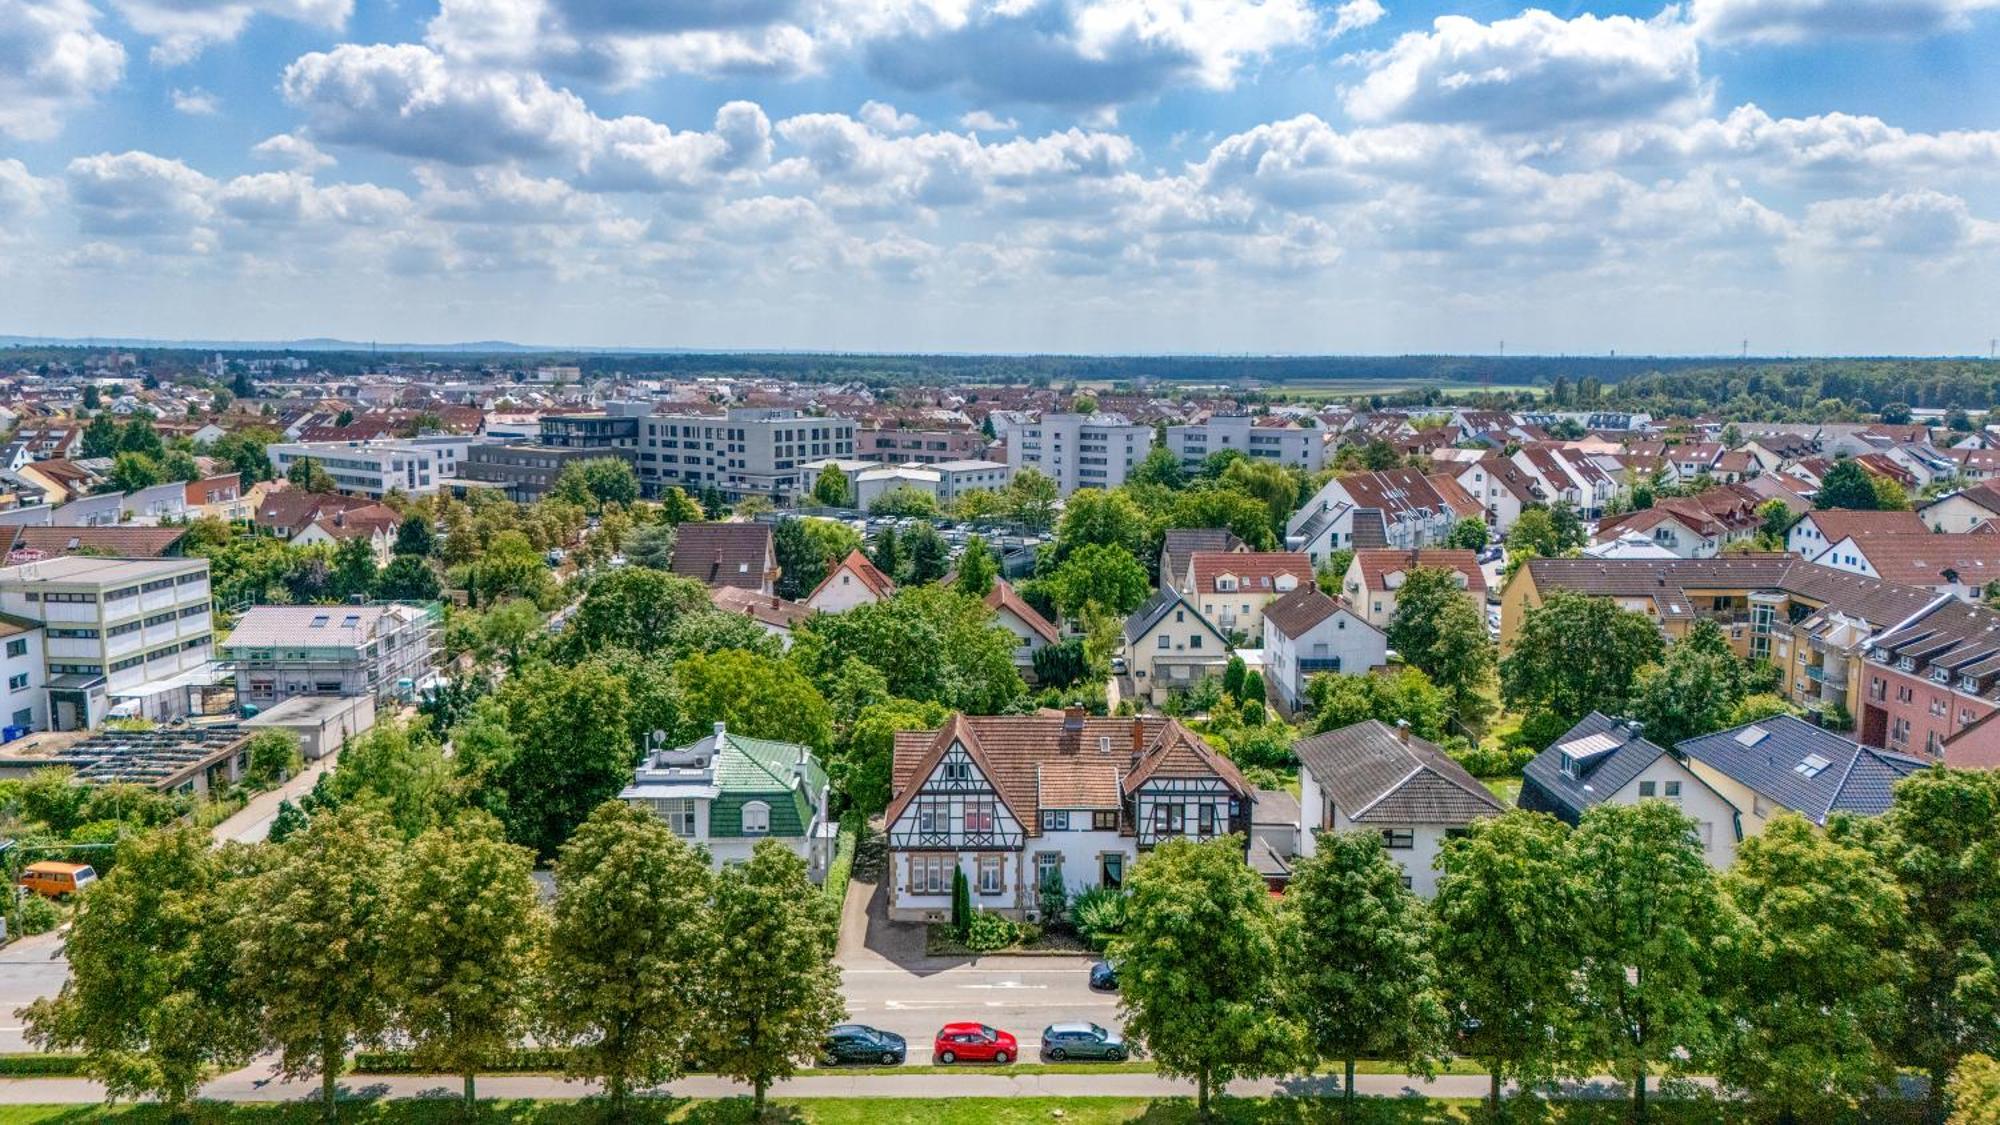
{"points": [[1156, 608], [1257, 572], [1375, 776], [1003, 598], [1179, 752], [723, 554], [1377, 565], [865, 572], [1299, 611], [1611, 752]]}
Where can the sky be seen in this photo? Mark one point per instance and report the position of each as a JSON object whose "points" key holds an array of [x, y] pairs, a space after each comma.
{"points": [[1100, 176]]}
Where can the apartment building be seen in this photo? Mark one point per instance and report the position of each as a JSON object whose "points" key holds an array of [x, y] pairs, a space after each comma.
{"points": [[751, 451], [380, 651], [110, 626], [528, 472], [1930, 677], [891, 445], [1266, 439], [1079, 450], [369, 468], [24, 705]]}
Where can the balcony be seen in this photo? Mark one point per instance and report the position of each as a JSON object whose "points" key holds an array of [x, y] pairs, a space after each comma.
{"points": [[1310, 666]]}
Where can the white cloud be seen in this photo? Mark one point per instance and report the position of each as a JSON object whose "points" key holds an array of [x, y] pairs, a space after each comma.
{"points": [[196, 102], [1534, 71], [292, 149], [21, 192], [293, 199], [1922, 222], [184, 28], [1792, 21], [137, 193], [53, 61], [885, 118], [981, 121], [1353, 15]]}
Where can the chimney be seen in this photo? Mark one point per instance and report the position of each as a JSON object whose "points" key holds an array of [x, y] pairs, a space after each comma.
{"points": [[1403, 730], [1138, 737], [719, 730], [1072, 719], [1634, 726]]}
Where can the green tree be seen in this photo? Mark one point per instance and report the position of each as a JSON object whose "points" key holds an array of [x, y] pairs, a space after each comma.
{"points": [[1811, 988], [904, 500], [1777, 523], [131, 472], [243, 451], [307, 475], [399, 770], [1209, 506], [1100, 576], [1534, 530], [930, 556], [1232, 676], [508, 627], [755, 696], [1468, 534], [976, 568], [864, 767], [92, 399], [149, 999], [1270, 484], [1506, 944], [353, 569], [100, 438], [634, 607], [1975, 1091], [408, 578], [1652, 923], [1198, 967], [1160, 467], [1357, 964], [416, 536], [1340, 700], [310, 946], [179, 465], [1943, 846], [1576, 654], [774, 989], [1896, 414], [271, 755], [930, 643], [1695, 690], [1437, 629], [1846, 485], [887, 553], [1092, 516], [573, 749], [631, 941], [509, 567], [652, 546], [139, 436], [831, 488], [1062, 664], [462, 946], [1030, 498], [1889, 495]]}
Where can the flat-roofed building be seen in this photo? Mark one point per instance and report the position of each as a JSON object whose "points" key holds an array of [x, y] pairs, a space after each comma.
{"points": [[380, 651]]}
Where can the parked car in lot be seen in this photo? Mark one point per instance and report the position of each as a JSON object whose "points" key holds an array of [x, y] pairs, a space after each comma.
{"points": [[859, 1043], [1082, 1041], [1490, 554], [974, 1042], [1104, 977]]}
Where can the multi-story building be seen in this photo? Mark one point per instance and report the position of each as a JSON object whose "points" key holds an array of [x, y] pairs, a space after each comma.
{"points": [[1019, 802], [1602, 760], [1929, 677], [1233, 587], [752, 451], [1079, 450], [899, 446], [1376, 574], [1266, 439], [380, 651], [955, 478], [110, 626], [590, 431], [1169, 647], [529, 472], [24, 705], [368, 468], [1403, 504], [1306, 634]]}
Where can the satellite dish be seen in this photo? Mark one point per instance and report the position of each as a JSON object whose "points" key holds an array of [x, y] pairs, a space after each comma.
{"points": [[659, 737]]}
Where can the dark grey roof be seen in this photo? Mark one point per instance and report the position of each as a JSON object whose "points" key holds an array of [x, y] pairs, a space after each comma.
{"points": [[1855, 779], [1156, 607], [1375, 777], [1317, 522], [1184, 541], [1369, 530], [1546, 788]]}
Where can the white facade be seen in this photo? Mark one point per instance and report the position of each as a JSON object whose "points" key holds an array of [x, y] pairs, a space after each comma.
{"points": [[22, 662], [1414, 847], [956, 478], [368, 468], [1954, 514], [1668, 780], [748, 452], [1301, 448], [1341, 643], [111, 625], [871, 485], [956, 821], [1078, 450], [1175, 652]]}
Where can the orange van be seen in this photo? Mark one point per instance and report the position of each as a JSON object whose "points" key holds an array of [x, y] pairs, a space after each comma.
{"points": [[57, 880]]}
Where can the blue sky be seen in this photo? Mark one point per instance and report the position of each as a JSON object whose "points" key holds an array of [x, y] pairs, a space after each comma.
{"points": [[1814, 176]]}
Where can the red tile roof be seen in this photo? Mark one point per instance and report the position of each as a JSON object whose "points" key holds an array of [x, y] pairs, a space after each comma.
{"points": [[1377, 565], [1004, 597], [1255, 571], [864, 571]]}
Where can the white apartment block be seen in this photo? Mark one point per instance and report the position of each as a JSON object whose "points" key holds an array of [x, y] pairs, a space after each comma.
{"points": [[751, 451], [110, 626], [371, 468], [1079, 450], [1300, 447], [24, 705], [955, 478]]}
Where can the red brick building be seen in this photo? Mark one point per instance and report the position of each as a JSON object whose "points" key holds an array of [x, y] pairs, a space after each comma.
{"points": [[1930, 677]]}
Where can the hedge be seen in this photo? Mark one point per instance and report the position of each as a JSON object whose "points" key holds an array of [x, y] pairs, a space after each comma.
{"points": [[520, 1060], [40, 1066], [842, 868]]}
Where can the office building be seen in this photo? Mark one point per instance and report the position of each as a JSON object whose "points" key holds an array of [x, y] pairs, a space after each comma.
{"points": [[1266, 439], [751, 451], [1079, 450], [371, 468], [528, 472]]}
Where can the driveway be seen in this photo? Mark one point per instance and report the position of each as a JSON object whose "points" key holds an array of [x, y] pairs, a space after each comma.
{"points": [[251, 824]]}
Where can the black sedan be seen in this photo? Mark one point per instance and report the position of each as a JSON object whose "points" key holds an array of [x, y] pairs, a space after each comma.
{"points": [[859, 1043], [1104, 977]]}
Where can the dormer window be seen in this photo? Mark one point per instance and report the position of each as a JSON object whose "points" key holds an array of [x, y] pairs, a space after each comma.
{"points": [[1941, 675], [756, 818], [1568, 764]]}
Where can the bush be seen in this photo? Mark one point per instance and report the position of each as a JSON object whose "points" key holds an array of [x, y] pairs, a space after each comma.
{"points": [[551, 1060], [989, 932], [34, 915], [40, 1066], [1052, 899], [1492, 761], [1099, 915], [842, 868]]}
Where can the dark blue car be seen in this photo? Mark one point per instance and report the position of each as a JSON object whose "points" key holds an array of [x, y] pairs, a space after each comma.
{"points": [[1104, 977], [859, 1043]]}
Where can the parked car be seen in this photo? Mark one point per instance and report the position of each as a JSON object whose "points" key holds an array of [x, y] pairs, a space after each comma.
{"points": [[974, 1042], [859, 1043], [1104, 977], [1490, 554], [52, 879], [1082, 1041]]}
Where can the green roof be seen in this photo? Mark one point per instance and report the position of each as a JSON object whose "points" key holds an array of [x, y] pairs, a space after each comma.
{"points": [[763, 766]]}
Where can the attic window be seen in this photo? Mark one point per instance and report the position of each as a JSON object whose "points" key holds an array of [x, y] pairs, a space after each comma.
{"points": [[1751, 736], [742, 568], [1811, 765], [1104, 744], [319, 621]]}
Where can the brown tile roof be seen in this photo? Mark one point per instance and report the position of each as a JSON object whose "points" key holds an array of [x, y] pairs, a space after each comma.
{"points": [[117, 542], [1986, 494], [1377, 565], [1836, 524], [724, 554], [864, 571], [1181, 542], [1255, 571], [770, 609], [1072, 783], [1300, 610], [1376, 775], [1668, 582], [1925, 559], [1004, 597], [294, 509], [1454, 495], [366, 521]]}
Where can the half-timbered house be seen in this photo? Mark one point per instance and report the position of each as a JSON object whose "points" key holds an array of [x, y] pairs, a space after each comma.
{"points": [[1017, 801]]}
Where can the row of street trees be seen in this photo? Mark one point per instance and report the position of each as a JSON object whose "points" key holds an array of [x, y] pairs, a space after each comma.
{"points": [[188, 960], [1802, 978]]}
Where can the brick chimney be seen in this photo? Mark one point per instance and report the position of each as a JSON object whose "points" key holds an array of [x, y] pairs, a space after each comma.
{"points": [[1138, 736], [1403, 730], [1072, 719]]}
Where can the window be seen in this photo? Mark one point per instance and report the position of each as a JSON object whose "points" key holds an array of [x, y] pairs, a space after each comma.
{"points": [[957, 769], [1673, 790], [17, 647], [1176, 819], [1399, 839], [1055, 820], [678, 812], [756, 817], [990, 879], [1104, 820], [1646, 789], [1111, 870], [1194, 641], [25, 717], [1166, 641], [1048, 868], [930, 874], [979, 814]]}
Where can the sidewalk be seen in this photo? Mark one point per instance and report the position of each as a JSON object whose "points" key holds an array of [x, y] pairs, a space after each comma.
{"points": [[252, 823]]}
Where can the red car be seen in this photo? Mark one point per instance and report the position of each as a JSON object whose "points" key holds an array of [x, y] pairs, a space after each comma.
{"points": [[973, 1042]]}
